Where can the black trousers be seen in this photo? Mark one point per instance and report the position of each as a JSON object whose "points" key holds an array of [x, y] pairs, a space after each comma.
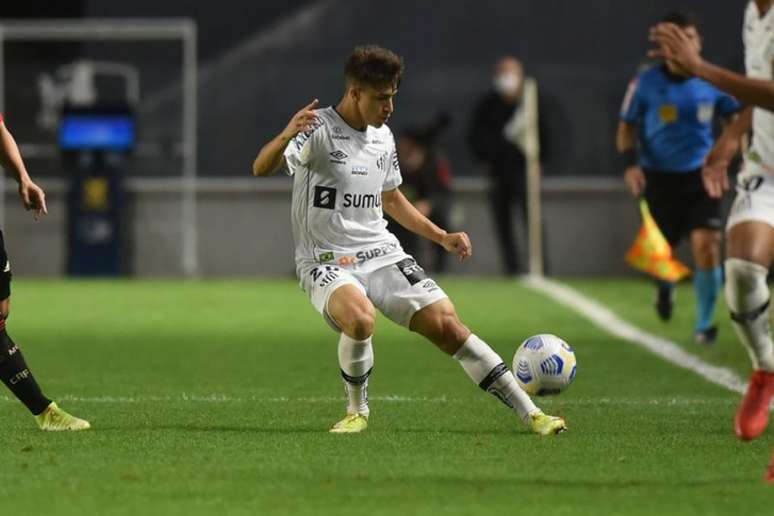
{"points": [[508, 201]]}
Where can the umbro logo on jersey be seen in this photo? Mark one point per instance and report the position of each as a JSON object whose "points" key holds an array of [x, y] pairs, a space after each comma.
{"points": [[324, 197], [338, 157]]}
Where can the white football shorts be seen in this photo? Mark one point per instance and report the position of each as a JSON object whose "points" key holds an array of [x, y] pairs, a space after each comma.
{"points": [[754, 199], [398, 290]]}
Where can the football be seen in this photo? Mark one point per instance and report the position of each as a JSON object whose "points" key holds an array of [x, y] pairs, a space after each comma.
{"points": [[544, 364]]}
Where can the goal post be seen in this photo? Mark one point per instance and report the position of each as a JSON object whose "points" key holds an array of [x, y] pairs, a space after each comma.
{"points": [[182, 30]]}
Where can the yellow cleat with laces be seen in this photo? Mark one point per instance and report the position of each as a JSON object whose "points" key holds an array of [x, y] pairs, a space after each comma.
{"points": [[546, 425], [351, 424], [54, 419]]}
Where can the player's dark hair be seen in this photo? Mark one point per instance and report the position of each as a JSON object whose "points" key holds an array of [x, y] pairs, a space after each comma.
{"points": [[682, 19], [375, 66]]}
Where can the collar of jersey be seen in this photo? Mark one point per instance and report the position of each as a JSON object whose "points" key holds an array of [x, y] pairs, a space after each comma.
{"points": [[673, 76], [358, 131]]}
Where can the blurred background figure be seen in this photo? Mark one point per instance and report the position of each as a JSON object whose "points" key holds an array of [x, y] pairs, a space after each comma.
{"points": [[496, 127], [672, 117], [427, 178]]}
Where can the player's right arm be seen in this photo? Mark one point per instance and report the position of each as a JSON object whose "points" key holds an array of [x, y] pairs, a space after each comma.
{"points": [[632, 111], [271, 156], [626, 144], [32, 195], [714, 173], [675, 46]]}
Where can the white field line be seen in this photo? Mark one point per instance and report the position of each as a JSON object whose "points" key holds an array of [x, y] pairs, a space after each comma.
{"points": [[224, 399], [611, 323]]}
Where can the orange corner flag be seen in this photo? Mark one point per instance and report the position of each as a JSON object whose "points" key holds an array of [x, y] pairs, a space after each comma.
{"points": [[651, 253]]}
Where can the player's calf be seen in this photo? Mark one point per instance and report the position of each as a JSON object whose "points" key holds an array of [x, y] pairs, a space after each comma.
{"points": [[356, 360], [748, 298], [355, 315], [440, 324], [15, 374]]}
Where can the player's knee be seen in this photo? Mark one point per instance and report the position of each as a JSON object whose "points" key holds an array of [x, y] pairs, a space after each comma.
{"points": [[708, 248], [360, 322], [454, 332], [446, 330], [746, 286]]}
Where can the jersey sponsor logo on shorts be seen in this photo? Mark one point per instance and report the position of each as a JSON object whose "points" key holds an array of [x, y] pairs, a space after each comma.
{"points": [[363, 256], [430, 286], [353, 200], [324, 197], [411, 270], [750, 184], [324, 275]]}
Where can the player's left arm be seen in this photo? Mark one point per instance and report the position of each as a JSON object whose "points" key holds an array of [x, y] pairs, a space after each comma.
{"points": [[32, 195], [396, 205], [675, 46]]}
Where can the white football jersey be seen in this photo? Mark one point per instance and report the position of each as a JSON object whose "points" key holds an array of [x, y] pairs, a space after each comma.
{"points": [[758, 36], [339, 174]]}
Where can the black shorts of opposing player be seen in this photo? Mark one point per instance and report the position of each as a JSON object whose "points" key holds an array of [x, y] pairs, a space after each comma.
{"points": [[14, 372], [679, 203]]}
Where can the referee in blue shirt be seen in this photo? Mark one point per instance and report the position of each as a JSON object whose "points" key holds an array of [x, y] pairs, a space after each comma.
{"points": [[671, 115]]}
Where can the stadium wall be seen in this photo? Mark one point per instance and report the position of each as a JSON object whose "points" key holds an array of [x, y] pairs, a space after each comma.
{"points": [[244, 228]]}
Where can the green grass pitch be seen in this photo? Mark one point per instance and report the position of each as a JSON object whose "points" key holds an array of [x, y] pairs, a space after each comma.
{"points": [[214, 397]]}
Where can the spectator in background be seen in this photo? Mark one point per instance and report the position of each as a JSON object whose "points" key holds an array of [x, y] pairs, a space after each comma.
{"points": [[426, 183], [492, 131]]}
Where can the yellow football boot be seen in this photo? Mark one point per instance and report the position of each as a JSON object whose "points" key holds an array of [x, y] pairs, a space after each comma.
{"points": [[546, 425], [351, 424], [54, 419]]}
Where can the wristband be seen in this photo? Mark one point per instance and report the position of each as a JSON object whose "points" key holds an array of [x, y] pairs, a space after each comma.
{"points": [[630, 158]]}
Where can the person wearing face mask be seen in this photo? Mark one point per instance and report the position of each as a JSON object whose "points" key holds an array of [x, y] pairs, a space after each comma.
{"points": [[498, 122], [671, 115]]}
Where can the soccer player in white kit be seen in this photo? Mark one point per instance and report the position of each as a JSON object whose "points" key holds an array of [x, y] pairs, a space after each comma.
{"points": [[345, 175], [750, 227]]}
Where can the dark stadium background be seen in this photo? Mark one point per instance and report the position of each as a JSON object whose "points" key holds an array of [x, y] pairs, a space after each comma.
{"points": [[582, 54]]}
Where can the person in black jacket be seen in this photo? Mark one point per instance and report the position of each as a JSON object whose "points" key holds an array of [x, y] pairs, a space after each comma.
{"points": [[496, 117], [426, 184]]}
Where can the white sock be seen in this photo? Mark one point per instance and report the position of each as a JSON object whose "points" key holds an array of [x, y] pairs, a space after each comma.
{"points": [[356, 359], [487, 370], [747, 296]]}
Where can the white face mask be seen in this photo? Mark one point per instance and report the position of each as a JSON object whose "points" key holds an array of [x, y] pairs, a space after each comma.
{"points": [[507, 83]]}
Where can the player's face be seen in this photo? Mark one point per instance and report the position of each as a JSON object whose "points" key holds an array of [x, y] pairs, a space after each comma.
{"points": [[376, 104]]}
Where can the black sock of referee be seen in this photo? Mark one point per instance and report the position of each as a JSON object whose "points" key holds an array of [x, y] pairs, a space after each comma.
{"points": [[15, 374]]}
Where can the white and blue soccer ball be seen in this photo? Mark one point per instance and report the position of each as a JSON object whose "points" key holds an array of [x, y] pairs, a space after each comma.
{"points": [[544, 364]]}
